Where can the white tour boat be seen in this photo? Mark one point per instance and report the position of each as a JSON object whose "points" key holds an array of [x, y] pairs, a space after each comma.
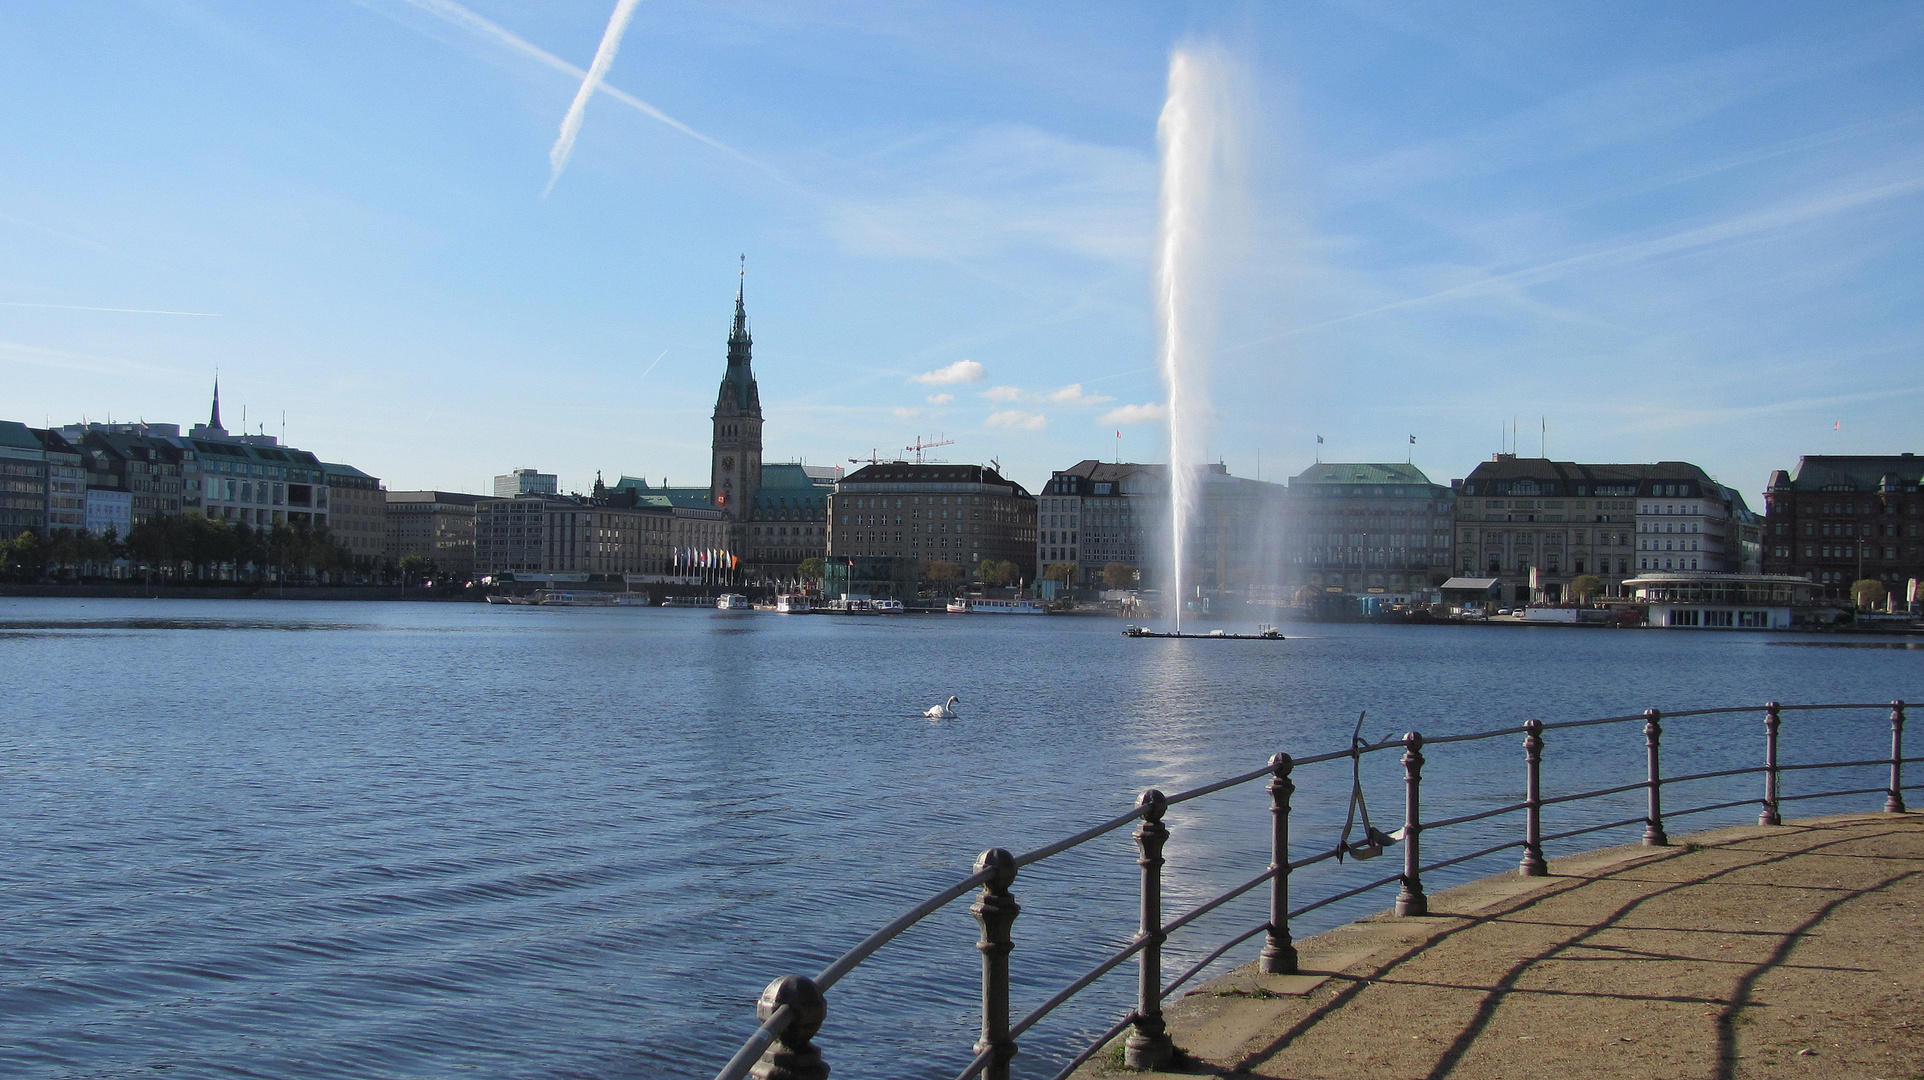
{"points": [[731, 601], [887, 607], [792, 604], [987, 606]]}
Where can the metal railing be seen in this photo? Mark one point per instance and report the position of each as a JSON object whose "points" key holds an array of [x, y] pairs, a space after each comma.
{"points": [[793, 1008]]}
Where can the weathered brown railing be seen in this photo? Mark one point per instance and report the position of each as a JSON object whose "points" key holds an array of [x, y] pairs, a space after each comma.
{"points": [[792, 1008]]}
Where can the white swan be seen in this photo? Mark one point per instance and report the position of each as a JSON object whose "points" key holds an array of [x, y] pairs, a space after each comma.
{"points": [[944, 711]]}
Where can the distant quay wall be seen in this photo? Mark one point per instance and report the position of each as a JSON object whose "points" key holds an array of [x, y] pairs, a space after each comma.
{"points": [[133, 590]]}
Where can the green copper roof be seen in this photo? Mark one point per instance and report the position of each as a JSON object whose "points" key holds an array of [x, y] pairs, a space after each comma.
{"points": [[1337, 472]]}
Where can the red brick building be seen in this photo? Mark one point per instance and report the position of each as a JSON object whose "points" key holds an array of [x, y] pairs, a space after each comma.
{"points": [[1843, 518]]}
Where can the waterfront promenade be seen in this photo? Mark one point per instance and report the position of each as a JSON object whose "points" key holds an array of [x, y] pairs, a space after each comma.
{"points": [[1744, 952]]}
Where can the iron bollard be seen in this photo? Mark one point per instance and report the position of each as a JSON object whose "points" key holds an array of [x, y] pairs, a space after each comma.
{"points": [[1149, 1046], [1894, 802], [1533, 864], [793, 1057], [1411, 900], [1653, 834], [1279, 953], [996, 910], [1771, 720]]}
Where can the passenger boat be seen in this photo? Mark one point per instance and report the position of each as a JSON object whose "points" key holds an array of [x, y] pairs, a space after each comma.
{"points": [[504, 598], [732, 602], [688, 601], [852, 606], [958, 606], [792, 604], [887, 607], [985, 606], [588, 598]]}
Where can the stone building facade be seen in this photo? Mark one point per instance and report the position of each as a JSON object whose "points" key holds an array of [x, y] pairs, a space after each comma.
{"points": [[961, 514], [1537, 524], [1367, 529], [436, 525]]}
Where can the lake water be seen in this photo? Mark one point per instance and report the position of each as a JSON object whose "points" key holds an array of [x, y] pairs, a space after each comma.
{"points": [[386, 840]]}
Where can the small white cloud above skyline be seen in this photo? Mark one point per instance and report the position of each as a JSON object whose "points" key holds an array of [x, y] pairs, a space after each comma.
{"points": [[1016, 419], [941, 399], [1074, 394], [1002, 394], [962, 371], [1136, 414], [903, 412]]}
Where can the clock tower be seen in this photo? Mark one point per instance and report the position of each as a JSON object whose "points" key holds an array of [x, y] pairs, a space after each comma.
{"points": [[735, 467]]}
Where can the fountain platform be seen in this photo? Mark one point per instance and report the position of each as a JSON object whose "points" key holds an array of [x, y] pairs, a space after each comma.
{"points": [[1266, 633]]}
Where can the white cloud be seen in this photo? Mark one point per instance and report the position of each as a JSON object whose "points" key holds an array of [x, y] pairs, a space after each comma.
{"points": [[962, 371], [1074, 394], [1017, 419], [904, 413], [1136, 414], [1004, 394], [941, 399]]}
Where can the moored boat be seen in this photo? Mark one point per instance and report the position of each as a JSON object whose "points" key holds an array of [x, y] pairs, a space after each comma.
{"points": [[732, 602], [793, 604], [887, 607]]}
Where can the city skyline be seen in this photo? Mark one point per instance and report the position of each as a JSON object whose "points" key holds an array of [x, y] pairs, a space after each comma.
{"points": [[1669, 237]]}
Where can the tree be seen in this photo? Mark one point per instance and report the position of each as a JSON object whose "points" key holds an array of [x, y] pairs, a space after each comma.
{"points": [[989, 573], [1062, 571], [1585, 586], [1118, 575], [814, 568], [414, 565], [1868, 592], [941, 573], [1008, 573]]}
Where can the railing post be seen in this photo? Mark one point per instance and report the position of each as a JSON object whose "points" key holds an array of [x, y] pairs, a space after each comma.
{"points": [[996, 910], [1771, 720], [1533, 864], [1149, 1046], [1894, 802], [793, 1057], [1411, 900], [1653, 834], [1279, 951]]}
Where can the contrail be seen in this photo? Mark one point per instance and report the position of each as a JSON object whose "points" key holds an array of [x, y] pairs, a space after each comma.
{"points": [[564, 143], [651, 367], [451, 12], [126, 310]]}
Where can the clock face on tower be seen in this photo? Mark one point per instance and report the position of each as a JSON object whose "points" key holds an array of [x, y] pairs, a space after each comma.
{"points": [[728, 463]]}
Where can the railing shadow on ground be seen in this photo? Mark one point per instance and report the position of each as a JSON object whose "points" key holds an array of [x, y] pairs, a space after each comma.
{"points": [[793, 1008], [1496, 993]]}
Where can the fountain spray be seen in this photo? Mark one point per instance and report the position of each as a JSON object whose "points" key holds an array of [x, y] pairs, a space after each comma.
{"points": [[1195, 136]]}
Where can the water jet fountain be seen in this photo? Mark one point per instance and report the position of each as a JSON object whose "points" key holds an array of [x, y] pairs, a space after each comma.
{"points": [[1196, 133]]}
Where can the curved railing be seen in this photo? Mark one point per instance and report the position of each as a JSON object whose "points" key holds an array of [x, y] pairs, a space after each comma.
{"points": [[793, 1008]]}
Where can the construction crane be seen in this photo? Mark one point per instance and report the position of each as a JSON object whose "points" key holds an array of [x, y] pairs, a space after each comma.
{"points": [[874, 458], [920, 445]]}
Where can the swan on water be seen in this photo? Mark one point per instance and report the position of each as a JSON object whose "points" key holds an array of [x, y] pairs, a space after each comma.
{"points": [[943, 712]]}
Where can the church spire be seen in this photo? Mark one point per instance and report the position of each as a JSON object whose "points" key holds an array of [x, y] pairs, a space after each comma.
{"points": [[213, 421]]}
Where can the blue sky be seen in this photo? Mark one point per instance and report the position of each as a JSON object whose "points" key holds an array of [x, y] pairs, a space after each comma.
{"points": [[1676, 231]]}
